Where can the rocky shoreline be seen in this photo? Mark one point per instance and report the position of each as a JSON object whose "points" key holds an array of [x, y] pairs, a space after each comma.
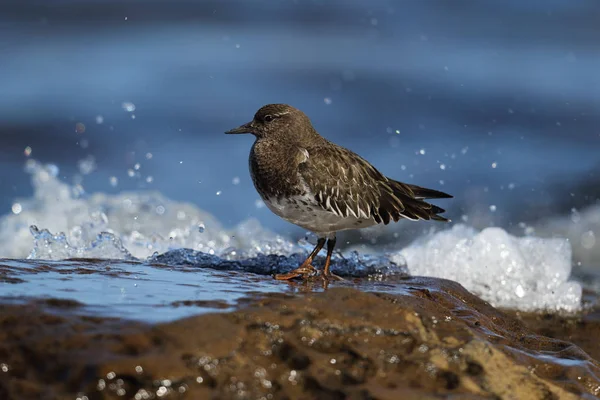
{"points": [[433, 339]]}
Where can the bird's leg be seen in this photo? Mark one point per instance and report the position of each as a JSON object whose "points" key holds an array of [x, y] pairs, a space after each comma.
{"points": [[327, 275], [306, 268]]}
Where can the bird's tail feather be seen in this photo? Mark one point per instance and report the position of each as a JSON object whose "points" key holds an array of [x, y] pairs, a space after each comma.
{"points": [[424, 193], [412, 198]]}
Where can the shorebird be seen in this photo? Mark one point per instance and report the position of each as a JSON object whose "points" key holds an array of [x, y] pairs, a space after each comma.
{"points": [[322, 187]]}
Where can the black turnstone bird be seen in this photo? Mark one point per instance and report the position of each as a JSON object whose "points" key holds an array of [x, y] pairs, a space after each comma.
{"points": [[322, 187]]}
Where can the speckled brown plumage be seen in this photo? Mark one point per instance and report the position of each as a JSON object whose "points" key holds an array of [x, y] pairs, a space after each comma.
{"points": [[323, 187]]}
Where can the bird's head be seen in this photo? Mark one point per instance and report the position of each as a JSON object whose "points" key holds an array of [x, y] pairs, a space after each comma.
{"points": [[279, 122]]}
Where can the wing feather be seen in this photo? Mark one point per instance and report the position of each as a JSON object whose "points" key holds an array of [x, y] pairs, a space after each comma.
{"points": [[347, 185]]}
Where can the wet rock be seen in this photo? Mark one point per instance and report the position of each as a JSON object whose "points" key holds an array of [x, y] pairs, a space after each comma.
{"points": [[434, 339], [582, 329]]}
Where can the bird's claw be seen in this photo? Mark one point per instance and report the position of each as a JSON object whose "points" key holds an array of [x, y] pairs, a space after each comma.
{"points": [[331, 277], [308, 272], [304, 271]]}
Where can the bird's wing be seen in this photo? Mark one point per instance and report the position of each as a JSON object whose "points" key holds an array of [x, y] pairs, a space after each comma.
{"points": [[345, 184]]}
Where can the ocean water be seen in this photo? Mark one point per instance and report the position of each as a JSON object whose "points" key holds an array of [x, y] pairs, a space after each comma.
{"points": [[111, 121]]}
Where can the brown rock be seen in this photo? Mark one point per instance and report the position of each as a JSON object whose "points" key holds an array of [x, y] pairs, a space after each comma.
{"points": [[435, 339]]}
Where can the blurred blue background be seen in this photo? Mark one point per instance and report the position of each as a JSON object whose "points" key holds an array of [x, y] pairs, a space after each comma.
{"points": [[497, 103]]}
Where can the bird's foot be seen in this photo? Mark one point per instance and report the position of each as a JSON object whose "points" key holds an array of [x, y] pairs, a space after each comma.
{"points": [[304, 271], [331, 277]]}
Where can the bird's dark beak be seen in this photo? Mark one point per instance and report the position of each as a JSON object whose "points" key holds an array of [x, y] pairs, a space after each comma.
{"points": [[246, 128]]}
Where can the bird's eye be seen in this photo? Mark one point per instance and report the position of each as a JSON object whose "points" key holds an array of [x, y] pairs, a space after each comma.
{"points": [[269, 118]]}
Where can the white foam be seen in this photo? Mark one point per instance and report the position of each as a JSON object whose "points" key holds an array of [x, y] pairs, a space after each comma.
{"points": [[526, 273], [129, 223]]}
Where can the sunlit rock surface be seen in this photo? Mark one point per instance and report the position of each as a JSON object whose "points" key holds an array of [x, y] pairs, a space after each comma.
{"points": [[433, 339]]}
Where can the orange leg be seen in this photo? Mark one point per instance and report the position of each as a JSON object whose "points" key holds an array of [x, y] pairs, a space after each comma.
{"points": [[327, 275], [306, 269]]}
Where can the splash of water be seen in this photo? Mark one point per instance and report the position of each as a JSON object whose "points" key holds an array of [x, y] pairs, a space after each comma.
{"points": [[527, 273], [143, 223]]}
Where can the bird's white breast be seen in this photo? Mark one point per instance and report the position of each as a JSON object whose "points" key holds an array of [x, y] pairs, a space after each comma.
{"points": [[304, 211]]}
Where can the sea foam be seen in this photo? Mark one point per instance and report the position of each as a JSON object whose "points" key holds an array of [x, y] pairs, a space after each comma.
{"points": [[526, 273]]}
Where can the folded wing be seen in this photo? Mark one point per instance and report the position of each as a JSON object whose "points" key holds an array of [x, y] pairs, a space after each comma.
{"points": [[347, 185]]}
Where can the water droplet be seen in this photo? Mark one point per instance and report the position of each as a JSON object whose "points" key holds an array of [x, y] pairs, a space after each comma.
{"points": [[588, 240], [236, 180], [442, 166], [16, 208], [327, 100], [161, 391], [494, 164], [87, 165], [201, 228], [493, 208], [79, 127], [53, 170], [128, 106], [149, 156], [422, 151], [114, 181], [99, 119], [575, 216], [27, 151], [219, 193]]}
